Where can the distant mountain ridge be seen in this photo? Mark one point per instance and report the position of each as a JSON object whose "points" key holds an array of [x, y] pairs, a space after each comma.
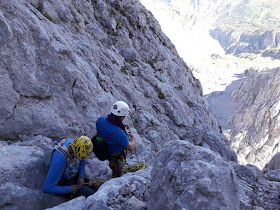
{"points": [[260, 14], [251, 26]]}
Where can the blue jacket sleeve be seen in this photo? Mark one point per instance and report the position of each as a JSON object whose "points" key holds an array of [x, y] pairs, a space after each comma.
{"points": [[82, 168], [55, 172]]}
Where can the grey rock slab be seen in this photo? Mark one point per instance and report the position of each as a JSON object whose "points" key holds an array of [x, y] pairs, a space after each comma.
{"points": [[190, 177]]}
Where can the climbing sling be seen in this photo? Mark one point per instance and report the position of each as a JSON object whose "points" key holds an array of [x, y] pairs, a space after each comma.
{"points": [[50, 148], [72, 164]]}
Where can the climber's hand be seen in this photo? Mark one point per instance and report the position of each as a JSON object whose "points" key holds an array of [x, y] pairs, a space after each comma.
{"points": [[81, 182], [74, 188]]}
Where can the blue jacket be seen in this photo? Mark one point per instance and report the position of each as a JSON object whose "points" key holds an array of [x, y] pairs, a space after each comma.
{"points": [[117, 141], [56, 173]]}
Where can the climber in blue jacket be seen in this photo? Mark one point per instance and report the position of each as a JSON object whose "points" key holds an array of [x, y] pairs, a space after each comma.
{"points": [[116, 134], [66, 172]]}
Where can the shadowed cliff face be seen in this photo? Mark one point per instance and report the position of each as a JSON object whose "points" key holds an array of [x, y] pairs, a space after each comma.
{"points": [[255, 133]]}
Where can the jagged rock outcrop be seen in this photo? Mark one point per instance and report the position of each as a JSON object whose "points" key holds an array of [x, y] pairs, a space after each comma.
{"points": [[255, 133], [189, 177], [257, 190], [192, 177], [23, 173], [273, 164]]}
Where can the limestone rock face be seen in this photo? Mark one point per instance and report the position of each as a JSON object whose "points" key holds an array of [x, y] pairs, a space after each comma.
{"points": [[257, 190], [274, 163], [255, 133], [131, 191], [23, 175], [192, 177], [185, 176], [63, 64], [76, 203]]}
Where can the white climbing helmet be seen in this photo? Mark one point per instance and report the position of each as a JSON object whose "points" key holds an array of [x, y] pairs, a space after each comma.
{"points": [[120, 108]]}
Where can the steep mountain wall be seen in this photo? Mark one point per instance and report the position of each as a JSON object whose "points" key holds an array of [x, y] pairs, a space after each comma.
{"points": [[63, 63], [255, 133]]}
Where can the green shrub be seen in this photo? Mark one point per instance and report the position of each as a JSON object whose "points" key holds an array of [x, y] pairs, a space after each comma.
{"points": [[161, 95], [158, 78], [49, 17], [124, 70], [123, 12], [151, 64], [179, 87], [190, 104], [115, 62]]}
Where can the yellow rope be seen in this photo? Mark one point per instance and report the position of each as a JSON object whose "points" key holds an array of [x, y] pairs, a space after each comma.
{"points": [[132, 168]]}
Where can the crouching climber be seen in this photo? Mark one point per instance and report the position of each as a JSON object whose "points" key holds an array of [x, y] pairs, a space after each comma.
{"points": [[66, 171], [116, 134]]}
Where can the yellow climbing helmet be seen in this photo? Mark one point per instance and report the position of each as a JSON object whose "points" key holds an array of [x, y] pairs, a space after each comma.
{"points": [[82, 147]]}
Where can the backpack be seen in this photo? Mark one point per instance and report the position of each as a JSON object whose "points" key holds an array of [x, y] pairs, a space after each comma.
{"points": [[100, 146], [50, 148]]}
